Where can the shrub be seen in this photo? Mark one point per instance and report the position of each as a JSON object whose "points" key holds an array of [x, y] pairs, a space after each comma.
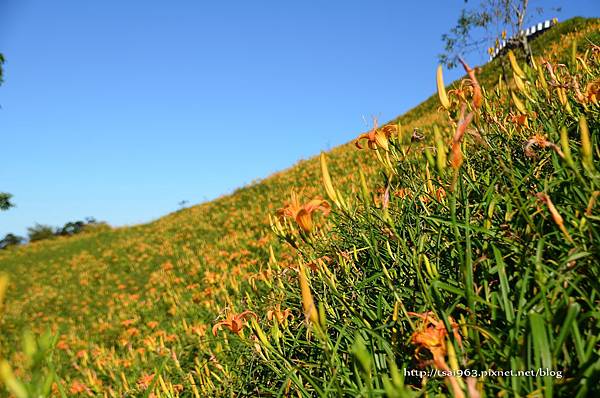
{"points": [[10, 240], [71, 228], [40, 232], [76, 227]]}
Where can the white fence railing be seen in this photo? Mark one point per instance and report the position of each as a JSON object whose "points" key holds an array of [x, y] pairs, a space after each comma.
{"points": [[531, 31]]}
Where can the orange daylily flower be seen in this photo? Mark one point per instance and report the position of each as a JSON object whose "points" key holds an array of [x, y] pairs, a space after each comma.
{"points": [[538, 140], [402, 193], [520, 120], [234, 322], [469, 86], [132, 331], [167, 266], [440, 193], [460, 93], [279, 315], [145, 381], [62, 345], [376, 138], [302, 213], [128, 322], [81, 354], [432, 336], [592, 91], [78, 387], [152, 324], [178, 387]]}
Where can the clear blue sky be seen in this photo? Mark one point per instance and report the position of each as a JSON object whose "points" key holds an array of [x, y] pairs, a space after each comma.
{"points": [[120, 109]]}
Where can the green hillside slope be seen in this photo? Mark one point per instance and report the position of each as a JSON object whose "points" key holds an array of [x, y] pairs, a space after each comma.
{"points": [[132, 309]]}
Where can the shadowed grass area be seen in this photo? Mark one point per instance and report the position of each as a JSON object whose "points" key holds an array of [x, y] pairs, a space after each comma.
{"points": [[414, 263]]}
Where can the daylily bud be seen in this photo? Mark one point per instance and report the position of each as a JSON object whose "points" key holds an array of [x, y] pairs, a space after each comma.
{"points": [[586, 145], [515, 65], [518, 103], [430, 268], [452, 359], [566, 149], [327, 180], [441, 88], [260, 333], [519, 83], [534, 64], [542, 78], [429, 157], [440, 150], [428, 182], [272, 258], [322, 316], [364, 189], [584, 65], [310, 311], [562, 96]]}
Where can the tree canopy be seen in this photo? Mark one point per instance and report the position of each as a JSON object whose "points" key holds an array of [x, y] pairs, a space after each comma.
{"points": [[484, 26]]}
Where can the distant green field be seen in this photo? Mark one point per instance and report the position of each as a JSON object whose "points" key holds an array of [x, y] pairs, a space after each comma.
{"points": [[420, 264]]}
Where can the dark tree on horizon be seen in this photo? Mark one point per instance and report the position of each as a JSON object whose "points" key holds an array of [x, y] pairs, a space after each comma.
{"points": [[10, 240]]}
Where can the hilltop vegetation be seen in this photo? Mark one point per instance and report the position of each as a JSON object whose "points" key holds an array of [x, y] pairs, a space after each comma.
{"points": [[473, 247]]}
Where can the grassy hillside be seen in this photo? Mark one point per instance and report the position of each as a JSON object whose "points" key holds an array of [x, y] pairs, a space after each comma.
{"points": [[130, 311]]}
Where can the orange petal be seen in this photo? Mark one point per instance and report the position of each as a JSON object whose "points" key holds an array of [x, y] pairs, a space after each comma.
{"points": [[317, 204], [216, 328], [477, 96], [304, 220], [361, 137], [381, 140]]}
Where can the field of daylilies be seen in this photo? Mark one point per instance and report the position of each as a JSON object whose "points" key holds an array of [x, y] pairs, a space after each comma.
{"points": [[461, 238]]}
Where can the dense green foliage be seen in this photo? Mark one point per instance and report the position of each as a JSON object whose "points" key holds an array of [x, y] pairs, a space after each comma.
{"points": [[502, 250], [40, 232], [10, 240]]}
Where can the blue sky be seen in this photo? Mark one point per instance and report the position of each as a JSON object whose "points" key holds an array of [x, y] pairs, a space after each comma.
{"points": [[121, 109]]}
